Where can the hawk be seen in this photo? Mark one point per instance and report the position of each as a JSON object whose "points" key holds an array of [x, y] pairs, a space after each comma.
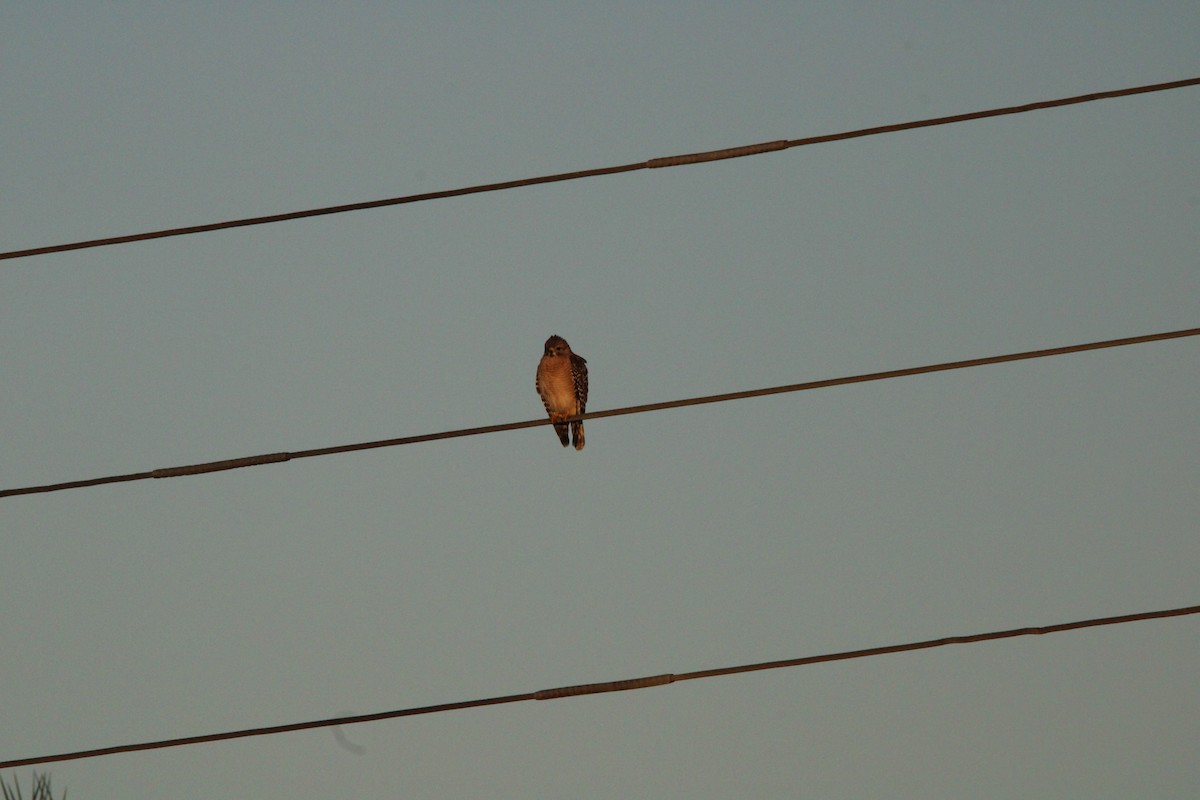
{"points": [[562, 382]]}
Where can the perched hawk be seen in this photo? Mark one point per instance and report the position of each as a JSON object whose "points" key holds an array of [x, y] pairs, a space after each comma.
{"points": [[562, 381]]}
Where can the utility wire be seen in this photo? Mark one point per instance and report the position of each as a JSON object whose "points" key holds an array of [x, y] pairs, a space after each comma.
{"points": [[598, 688], [274, 458], [654, 163]]}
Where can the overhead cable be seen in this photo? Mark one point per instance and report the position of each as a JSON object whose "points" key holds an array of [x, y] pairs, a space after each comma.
{"points": [[598, 688], [274, 458], [654, 163]]}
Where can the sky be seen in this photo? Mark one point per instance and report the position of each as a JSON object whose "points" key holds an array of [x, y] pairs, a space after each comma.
{"points": [[998, 497]]}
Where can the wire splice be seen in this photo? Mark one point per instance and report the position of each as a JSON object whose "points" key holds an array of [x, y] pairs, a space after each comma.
{"points": [[608, 686], [717, 155], [217, 466]]}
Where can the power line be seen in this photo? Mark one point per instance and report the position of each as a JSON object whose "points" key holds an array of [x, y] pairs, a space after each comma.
{"points": [[274, 458], [654, 163], [598, 688]]}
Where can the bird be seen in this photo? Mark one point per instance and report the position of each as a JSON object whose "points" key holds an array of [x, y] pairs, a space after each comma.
{"points": [[562, 382]]}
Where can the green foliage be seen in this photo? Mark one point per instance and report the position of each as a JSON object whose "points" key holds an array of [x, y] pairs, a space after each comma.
{"points": [[40, 788]]}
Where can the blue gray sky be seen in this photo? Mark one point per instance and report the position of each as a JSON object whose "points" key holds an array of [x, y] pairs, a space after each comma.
{"points": [[998, 497]]}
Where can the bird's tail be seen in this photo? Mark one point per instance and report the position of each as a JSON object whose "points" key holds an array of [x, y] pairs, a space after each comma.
{"points": [[561, 430], [577, 434]]}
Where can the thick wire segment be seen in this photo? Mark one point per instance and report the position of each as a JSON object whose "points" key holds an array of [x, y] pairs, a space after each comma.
{"points": [[597, 688], [654, 163], [274, 458]]}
